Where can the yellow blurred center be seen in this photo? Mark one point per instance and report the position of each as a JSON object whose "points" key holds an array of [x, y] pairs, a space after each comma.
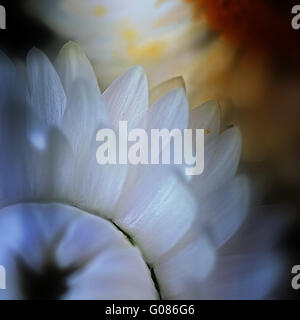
{"points": [[100, 11], [149, 51]]}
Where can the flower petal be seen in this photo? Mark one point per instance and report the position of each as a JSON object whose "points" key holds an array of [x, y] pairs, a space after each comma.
{"points": [[127, 98], [208, 117], [108, 268], [27, 233], [85, 115], [50, 169], [46, 94], [97, 188], [185, 267], [73, 65], [222, 157], [116, 274], [163, 88], [99, 235], [157, 212], [227, 209], [169, 112]]}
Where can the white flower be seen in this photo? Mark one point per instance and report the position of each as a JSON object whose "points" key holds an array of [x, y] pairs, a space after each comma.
{"points": [[157, 34], [110, 232]]}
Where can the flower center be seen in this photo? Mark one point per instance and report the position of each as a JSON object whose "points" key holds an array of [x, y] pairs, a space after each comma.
{"points": [[55, 251]]}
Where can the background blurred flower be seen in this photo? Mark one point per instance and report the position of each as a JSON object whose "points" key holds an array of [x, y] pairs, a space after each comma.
{"points": [[120, 34], [51, 183]]}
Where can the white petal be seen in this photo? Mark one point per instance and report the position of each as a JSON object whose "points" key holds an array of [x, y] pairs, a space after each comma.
{"points": [[97, 187], [94, 187], [52, 220], [60, 176], [12, 174], [208, 117], [46, 94], [84, 116], [14, 167], [116, 274], [157, 212], [50, 170], [127, 98], [72, 65], [80, 180], [86, 111], [99, 235], [170, 112], [163, 88], [108, 266], [226, 210], [14, 119], [184, 267], [19, 235], [222, 157]]}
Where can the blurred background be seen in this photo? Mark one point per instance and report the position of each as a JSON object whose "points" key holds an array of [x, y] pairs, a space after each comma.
{"points": [[243, 53]]}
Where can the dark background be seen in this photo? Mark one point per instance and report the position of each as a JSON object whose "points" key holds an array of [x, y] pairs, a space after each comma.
{"points": [[22, 32]]}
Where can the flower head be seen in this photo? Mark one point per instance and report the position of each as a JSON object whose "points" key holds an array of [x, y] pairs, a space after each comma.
{"points": [[113, 231]]}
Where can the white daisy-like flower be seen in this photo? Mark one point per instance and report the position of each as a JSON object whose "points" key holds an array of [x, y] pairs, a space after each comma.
{"points": [[73, 229]]}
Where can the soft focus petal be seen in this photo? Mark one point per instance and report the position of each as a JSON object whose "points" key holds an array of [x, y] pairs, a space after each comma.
{"points": [[169, 112], [85, 115], [222, 157], [73, 65], [127, 98], [119, 279], [98, 236], [184, 267], [105, 266], [163, 88], [207, 117], [47, 100], [226, 210], [49, 166], [157, 212]]}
